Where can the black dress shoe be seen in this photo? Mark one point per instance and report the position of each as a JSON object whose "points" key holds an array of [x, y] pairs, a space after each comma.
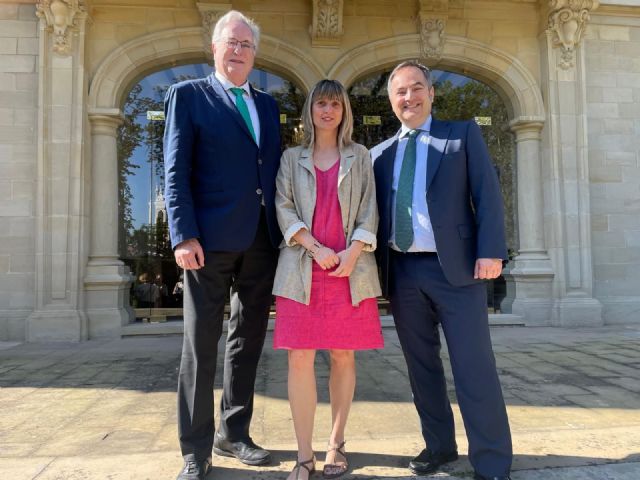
{"points": [[244, 450], [194, 470], [477, 476], [428, 462]]}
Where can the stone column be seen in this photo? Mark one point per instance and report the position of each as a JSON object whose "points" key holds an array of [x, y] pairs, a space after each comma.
{"points": [[566, 175], [531, 274], [108, 279], [61, 183]]}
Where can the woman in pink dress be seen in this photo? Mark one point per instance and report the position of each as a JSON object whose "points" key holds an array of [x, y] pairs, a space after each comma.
{"points": [[326, 281]]}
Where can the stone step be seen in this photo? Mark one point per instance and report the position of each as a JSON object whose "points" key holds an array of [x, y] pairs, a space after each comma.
{"points": [[176, 327]]}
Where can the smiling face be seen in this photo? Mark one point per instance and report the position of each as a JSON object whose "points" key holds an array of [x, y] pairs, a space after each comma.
{"points": [[327, 113], [235, 64], [410, 96]]}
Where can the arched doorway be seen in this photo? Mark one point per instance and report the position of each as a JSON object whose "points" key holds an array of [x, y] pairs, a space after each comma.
{"points": [[143, 237], [458, 97]]}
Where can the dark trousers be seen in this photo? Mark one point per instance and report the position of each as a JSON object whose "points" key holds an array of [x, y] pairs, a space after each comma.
{"points": [[421, 299], [249, 275]]}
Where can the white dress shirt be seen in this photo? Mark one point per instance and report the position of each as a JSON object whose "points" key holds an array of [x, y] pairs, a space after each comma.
{"points": [[248, 99], [423, 239]]}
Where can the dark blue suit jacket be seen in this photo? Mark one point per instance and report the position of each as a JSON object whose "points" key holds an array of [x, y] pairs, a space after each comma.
{"points": [[214, 169], [463, 198]]}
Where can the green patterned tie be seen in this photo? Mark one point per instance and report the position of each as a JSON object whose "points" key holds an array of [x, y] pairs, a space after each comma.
{"points": [[404, 195], [244, 110]]}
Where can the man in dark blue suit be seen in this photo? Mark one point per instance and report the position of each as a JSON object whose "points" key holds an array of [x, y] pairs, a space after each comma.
{"points": [[222, 152], [441, 233]]}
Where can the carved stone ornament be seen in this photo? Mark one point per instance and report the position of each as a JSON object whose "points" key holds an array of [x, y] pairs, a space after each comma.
{"points": [[210, 13], [326, 28], [432, 37], [62, 18], [567, 22]]}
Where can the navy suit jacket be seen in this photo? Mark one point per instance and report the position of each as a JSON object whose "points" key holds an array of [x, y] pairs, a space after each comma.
{"points": [[214, 171], [463, 198]]}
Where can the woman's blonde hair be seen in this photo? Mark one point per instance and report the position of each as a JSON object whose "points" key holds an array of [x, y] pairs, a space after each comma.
{"points": [[328, 90]]}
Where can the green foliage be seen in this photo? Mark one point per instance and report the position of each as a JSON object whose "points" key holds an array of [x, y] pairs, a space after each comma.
{"points": [[290, 101]]}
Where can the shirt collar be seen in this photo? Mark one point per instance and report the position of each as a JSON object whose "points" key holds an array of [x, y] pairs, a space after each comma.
{"points": [[227, 84], [425, 127]]}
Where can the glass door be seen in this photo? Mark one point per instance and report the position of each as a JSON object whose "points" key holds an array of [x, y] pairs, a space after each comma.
{"points": [[156, 293]]}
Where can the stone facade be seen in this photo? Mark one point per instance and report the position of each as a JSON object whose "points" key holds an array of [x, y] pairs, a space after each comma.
{"points": [[18, 165], [568, 73], [613, 113]]}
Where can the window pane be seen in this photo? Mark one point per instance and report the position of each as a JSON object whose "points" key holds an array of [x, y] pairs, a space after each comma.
{"points": [[143, 233]]}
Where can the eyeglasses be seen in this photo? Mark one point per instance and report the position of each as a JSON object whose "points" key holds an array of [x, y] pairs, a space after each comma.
{"points": [[233, 44]]}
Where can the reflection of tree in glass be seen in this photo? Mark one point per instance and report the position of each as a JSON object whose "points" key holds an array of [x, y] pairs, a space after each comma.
{"points": [[475, 99], [129, 138], [135, 132], [290, 101]]}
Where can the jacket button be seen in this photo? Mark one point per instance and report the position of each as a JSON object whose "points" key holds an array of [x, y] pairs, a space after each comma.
{"points": [[259, 191], [259, 161]]}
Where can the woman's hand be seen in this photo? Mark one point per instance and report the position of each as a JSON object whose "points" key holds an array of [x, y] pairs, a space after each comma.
{"points": [[348, 260], [326, 258]]}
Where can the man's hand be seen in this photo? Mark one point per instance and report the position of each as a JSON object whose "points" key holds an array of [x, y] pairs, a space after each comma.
{"points": [[189, 254], [488, 268]]}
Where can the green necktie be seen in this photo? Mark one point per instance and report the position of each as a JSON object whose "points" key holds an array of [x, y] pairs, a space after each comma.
{"points": [[404, 195], [244, 110]]}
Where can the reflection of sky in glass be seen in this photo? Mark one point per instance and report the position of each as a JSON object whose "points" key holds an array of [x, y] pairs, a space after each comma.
{"points": [[440, 76], [143, 181], [362, 87]]}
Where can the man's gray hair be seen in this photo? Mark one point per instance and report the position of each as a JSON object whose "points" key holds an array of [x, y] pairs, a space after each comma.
{"points": [[410, 63], [231, 16]]}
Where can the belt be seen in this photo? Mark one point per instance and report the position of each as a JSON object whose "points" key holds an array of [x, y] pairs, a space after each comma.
{"points": [[415, 254]]}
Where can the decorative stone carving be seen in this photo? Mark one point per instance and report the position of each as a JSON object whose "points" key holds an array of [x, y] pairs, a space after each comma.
{"points": [[210, 13], [62, 18], [431, 37], [567, 22], [326, 28]]}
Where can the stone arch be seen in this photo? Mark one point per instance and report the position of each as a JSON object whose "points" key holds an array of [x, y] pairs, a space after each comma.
{"points": [[510, 78], [128, 63]]}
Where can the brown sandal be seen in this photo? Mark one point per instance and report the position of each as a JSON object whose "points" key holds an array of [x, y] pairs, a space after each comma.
{"points": [[335, 470], [299, 465]]}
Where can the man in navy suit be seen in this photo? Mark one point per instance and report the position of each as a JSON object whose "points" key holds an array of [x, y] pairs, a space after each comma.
{"points": [[441, 233], [222, 152]]}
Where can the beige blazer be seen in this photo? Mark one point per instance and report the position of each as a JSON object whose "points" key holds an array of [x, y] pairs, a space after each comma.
{"points": [[295, 204]]}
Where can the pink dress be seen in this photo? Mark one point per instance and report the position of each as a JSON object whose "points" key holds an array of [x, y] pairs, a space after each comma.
{"points": [[329, 321]]}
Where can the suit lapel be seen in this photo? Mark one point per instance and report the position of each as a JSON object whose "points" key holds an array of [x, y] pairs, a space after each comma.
{"points": [[387, 159], [220, 92], [347, 157], [261, 108], [439, 137], [306, 161]]}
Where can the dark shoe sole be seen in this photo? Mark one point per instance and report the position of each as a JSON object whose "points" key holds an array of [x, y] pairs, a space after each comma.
{"points": [[426, 471], [254, 463]]}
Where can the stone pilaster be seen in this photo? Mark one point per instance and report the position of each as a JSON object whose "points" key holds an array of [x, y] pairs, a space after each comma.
{"points": [[107, 279], [567, 21], [326, 25], [63, 20], [210, 13], [530, 274], [566, 173], [62, 176]]}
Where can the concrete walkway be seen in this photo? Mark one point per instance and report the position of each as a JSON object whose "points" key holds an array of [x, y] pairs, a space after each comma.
{"points": [[106, 409]]}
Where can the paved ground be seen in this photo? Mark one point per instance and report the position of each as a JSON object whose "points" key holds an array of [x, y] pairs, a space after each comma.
{"points": [[106, 409]]}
